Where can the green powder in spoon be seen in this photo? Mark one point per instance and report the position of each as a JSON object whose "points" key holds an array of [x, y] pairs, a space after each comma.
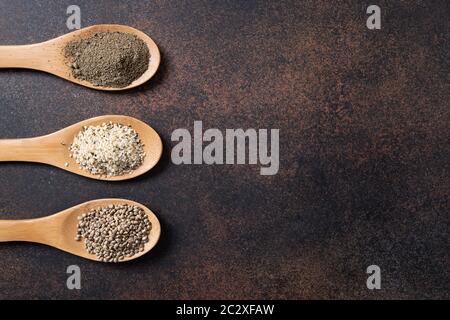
{"points": [[108, 59]]}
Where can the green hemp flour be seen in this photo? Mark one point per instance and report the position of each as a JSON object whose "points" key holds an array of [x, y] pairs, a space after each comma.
{"points": [[108, 59]]}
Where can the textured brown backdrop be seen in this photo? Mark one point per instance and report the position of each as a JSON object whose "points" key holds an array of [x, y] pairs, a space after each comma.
{"points": [[364, 124]]}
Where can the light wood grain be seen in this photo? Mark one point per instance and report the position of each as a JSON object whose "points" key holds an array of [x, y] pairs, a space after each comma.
{"points": [[53, 149], [59, 230], [49, 56]]}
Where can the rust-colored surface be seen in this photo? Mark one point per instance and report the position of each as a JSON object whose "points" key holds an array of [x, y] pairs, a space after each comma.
{"points": [[364, 127]]}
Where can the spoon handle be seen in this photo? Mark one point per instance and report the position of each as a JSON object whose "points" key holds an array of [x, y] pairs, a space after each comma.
{"points": [[21, 230], [27, 56], [26, 150]]}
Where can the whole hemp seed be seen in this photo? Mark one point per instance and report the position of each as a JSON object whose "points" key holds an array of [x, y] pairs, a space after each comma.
{"points": [[110, 149], [108, 59], [114, 232]]}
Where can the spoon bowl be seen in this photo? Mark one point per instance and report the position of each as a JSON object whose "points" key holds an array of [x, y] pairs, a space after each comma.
{"points": [[49, 56], [53, 149], [59, 230]]}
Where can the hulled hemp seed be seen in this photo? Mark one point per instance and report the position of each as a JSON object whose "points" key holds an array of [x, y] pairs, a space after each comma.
{"points": [[110, 149], [114, 232]]}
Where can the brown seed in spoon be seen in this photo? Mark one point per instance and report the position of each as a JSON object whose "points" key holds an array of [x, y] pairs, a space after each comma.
{"points": [[114, 232], [58, 230]]}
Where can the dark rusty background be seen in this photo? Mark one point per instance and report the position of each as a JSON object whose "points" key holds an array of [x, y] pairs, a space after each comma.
{"points": [[364, 127]]}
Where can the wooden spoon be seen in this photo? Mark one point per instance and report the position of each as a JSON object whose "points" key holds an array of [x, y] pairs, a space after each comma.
{"points": [[53, 149], [59, 230], [49, 56]]}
